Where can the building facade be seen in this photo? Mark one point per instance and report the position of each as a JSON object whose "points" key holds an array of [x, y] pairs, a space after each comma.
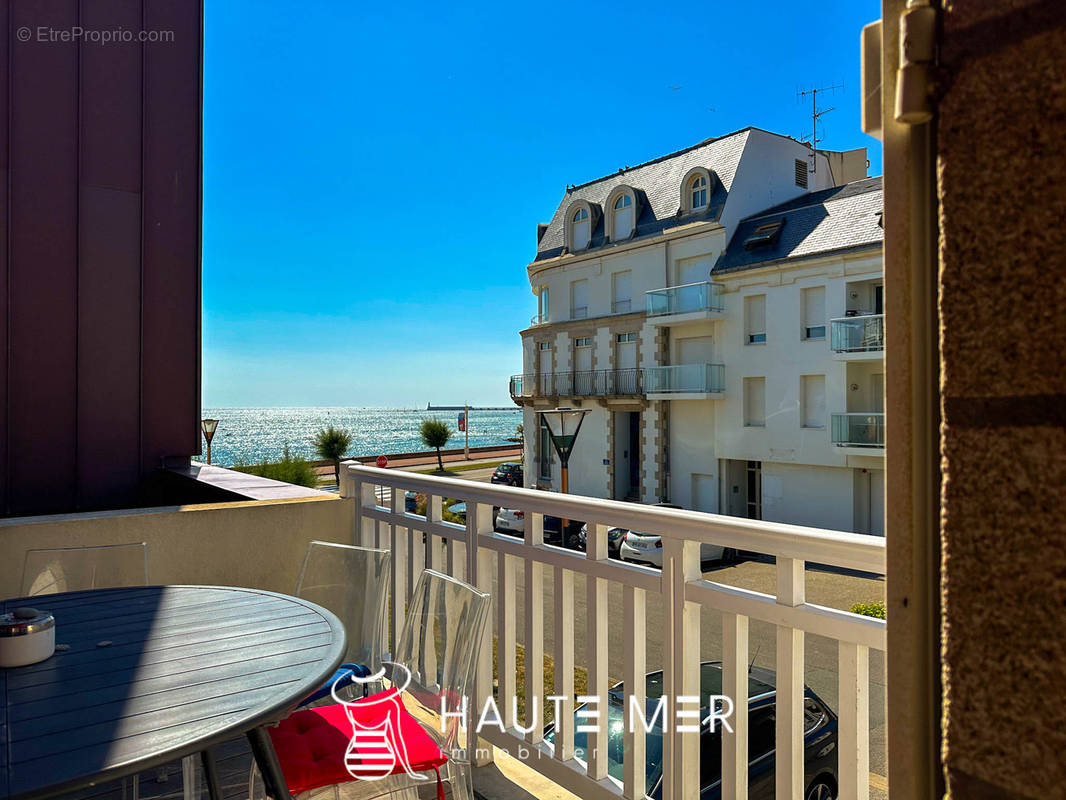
{"points": [[717, 312]]}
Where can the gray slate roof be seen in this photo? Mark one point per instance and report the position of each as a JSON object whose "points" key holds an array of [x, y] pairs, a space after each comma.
{"points": [[832, 220], [658, 182]]}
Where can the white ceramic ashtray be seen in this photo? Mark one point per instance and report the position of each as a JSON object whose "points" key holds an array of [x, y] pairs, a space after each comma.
{"points": [[27, 636]]}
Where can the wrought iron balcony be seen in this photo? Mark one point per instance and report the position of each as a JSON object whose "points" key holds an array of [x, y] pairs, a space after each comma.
{"points": [[589, 383]]}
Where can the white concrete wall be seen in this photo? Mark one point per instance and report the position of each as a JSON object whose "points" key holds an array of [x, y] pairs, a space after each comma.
{"points": [[692, 448], [782, 360], [766, 177], [801, 494]]}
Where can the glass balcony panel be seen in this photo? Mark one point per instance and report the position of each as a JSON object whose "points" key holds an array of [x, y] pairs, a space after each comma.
{"points": [[859, 429], [858, 334], [685, 378], [687, 299]]}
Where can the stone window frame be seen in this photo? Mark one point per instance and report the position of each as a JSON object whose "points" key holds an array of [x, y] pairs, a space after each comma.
{"points": [[686, 192], [617, 192], [594, 213]]}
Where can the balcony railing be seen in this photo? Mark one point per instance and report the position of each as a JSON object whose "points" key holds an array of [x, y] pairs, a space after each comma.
{"points": [[859, 430], [493, 562], [579, 312], [687, 299], [621, 306], [858, 334], [685, 378], [590, 383], [538, 319]]}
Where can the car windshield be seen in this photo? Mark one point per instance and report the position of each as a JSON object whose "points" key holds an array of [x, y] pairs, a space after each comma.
{"points": [[710, 684]]}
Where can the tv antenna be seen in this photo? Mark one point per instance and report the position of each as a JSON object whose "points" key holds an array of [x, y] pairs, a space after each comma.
{"points": [[816, 114]]}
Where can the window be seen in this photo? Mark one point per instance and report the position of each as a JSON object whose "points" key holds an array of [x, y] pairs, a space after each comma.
{"points": [[580, 230], [622, 338], [755, 319], [754, 402], [579, 299], [764, 234], [583, 341], [801, 173], [622, 292], [545, 346], [543, 303], [812, 401], [623, 217], [545, 445], [812, 301], [698, 189]]}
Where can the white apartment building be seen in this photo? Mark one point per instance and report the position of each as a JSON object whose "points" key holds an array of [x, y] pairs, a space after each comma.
{"points": [[718, 312]]}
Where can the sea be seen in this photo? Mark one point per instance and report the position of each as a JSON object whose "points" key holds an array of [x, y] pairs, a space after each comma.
{"points": [[255, 435]]}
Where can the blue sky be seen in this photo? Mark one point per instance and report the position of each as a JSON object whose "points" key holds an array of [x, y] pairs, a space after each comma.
{"points": [[373, 176]]}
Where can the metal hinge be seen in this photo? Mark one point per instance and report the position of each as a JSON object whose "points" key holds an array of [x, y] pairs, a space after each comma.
{"points": [[917, 56]]}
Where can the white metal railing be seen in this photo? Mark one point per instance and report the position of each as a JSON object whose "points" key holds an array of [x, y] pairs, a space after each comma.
{"points": [[477, 554]]}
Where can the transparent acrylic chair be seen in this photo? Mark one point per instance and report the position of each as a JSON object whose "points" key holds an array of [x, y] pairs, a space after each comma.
{"points": [[444, 629], [74, 569], [353, 583]]}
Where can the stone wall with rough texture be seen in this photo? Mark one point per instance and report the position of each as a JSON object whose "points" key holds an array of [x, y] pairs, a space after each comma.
{"points": [[1002, 182]]}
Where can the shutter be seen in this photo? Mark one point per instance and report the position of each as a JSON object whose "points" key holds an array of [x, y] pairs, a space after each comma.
{"points": [[801, 173], [814, 307], [756, 308], [813, 387]]}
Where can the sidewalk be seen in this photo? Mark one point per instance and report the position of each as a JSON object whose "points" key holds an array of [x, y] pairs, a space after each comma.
{"points": [[453, 458]]}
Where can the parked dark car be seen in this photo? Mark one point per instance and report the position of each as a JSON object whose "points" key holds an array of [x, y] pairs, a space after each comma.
{"points": [[509, 473], [553, 532], [819, 725]]}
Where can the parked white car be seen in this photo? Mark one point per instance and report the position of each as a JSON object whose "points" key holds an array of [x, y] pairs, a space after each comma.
{"points": [[511, 520], [647, 548]]}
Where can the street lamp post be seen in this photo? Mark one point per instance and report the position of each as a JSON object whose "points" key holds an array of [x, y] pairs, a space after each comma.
{"points": [[563, 427], [209, 426]]}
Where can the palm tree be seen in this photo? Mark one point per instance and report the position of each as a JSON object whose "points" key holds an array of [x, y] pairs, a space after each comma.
{"points": [[333, 444], [436, 433]]}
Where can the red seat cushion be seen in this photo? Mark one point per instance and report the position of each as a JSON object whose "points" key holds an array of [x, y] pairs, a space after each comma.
{"points": [[313, 744]]}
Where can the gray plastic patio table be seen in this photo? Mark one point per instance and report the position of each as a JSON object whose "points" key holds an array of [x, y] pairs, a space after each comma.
{"points": [[156, 673]]}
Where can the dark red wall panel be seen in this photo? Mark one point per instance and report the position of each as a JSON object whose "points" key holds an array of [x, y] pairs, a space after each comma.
{"points": [[109, 270], [5, 65], [43, 274], [99, 251], [171, 292]]}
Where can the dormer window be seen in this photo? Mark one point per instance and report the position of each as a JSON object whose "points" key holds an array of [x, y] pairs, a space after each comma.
{"points": [[623, 217], [698, 189], [579, 229]]}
